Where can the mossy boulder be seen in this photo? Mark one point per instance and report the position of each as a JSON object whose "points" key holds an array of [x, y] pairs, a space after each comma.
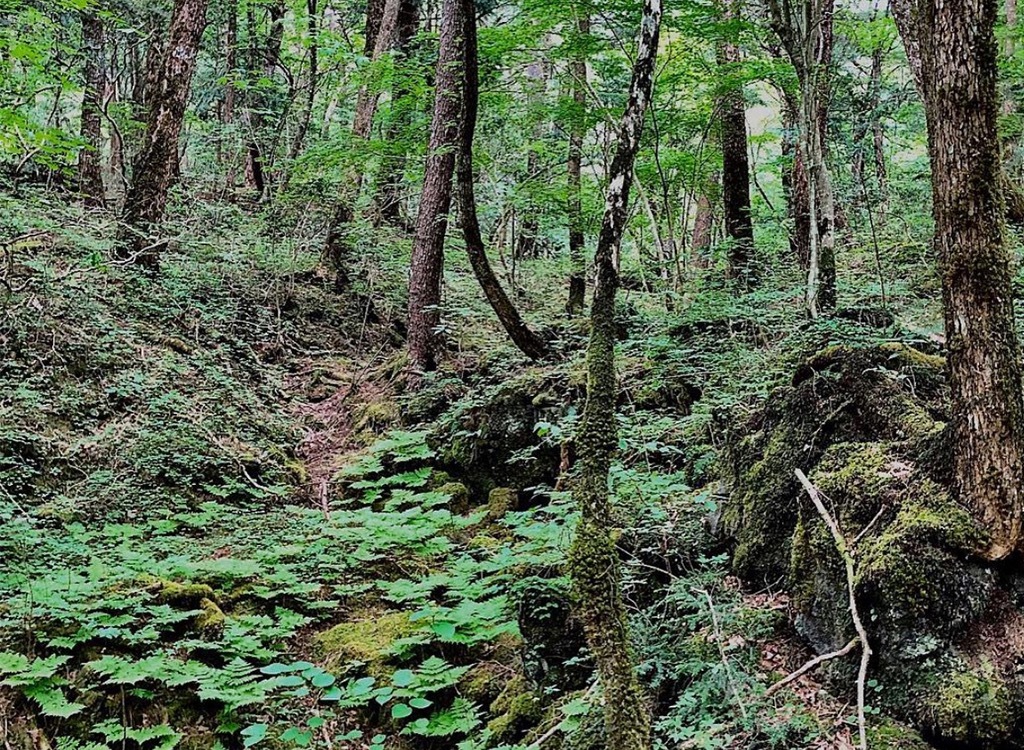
{"points": [[868, 428], [500, 501], [516, 710], [554, 643], [368, 639], [492, 440], [890, 735]]}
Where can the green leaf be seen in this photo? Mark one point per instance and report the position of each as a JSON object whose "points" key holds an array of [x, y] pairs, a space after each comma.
{"points": [[400, 711], [254, 733], [403, 678]]}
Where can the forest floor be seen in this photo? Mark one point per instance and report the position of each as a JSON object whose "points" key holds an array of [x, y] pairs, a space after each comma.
{"points": [[224, 521]]}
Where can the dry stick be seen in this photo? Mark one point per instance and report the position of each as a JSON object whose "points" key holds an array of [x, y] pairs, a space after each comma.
{"points": [[808, 666], [862, 635], [730, 678]]}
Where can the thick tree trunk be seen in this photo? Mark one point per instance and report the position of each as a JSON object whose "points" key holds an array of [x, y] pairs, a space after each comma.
{"points": [[156, 166], [435, 200], [577, 240], [593, 557], [739, 226], [959, 62], [529, 343], [90, 170]]}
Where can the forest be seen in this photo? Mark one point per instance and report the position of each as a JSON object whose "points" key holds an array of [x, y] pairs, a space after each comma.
{"points": [[511, 375]]}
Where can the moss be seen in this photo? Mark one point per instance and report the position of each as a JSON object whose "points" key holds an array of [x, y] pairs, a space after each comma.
{"points": [[888, 735], [369, 639], [458, 495], [174, 592], [972, 707], [376, 415], [517, 709], [500, 501], [210, 620], [484, 682]]}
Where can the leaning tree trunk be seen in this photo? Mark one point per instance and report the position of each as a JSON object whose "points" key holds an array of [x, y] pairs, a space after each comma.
{"points": [[593, 557], [739, 226], [90, 170], [577, 129], [435, 200], [959, 63], [529, 343], [156, 166]]}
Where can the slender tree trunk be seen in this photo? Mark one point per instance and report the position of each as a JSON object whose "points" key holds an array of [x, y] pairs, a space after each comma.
{"points": [[435, 200], [806, 32], [389, 198], [593, 557], [311, 83], [529, 343], [228, 110], [577, 130], [877, 132], [257, 155], [959, 65], [739, 226], [536, 83], [382, 30], [703, 225], [794, 184], [90, 170], [157, 164]]}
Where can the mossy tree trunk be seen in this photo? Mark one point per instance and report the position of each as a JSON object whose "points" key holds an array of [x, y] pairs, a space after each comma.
{"points": [[435, 199], [156, 166], [529, 343], [577, 239], [593, 558], [959, 74]]}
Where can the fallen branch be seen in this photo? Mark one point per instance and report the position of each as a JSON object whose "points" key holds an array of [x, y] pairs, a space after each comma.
{"points": [[808, 666], [862, 635]]}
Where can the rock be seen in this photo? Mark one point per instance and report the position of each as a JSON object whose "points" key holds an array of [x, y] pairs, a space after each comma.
{"points": [[368, 638], [500, 501], [458, 495], [554, 643], [867, 427], [517, 709]]}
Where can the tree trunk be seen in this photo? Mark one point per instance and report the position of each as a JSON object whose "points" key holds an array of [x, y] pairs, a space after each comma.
{"points": [[794, 185], [389, 199], [156, 166], [90, 170], [959, 64], [257, 156], [536, 83], [435, 200], [703, 225], [311, 83], [228, 111], [593, 558], [806, 32], [577, 129], [382, 31], [739, 227], [529, 343]]}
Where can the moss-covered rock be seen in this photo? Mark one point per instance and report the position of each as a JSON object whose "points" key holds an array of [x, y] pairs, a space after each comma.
{"points": [[890, 735], [368, 638], [210, 620], [458, 495], [974, 707], [516, 710], [500, 501]]}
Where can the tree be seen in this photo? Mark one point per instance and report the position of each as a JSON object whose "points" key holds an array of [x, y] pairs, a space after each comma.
{"points": [[805, 28], [577, 129], [532, 345], [90, 172], [958, 66], [593, 558], [739, 226], [156, 166], [435, 198]]}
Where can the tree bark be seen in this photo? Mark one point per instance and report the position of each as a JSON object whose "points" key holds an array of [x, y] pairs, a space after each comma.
{"points": [[90, 170], [256, 153], [529, 343], [577, 129], [389, 199], [959, 73], [806, 33], [593, 557], [435, 199], [739, 226], [312, 81], [156, 166], [228, 110], [536, 83]]}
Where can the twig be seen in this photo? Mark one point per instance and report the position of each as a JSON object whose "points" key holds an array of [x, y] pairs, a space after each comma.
{"points": [[725, 659], [862, 635], [808, 666]]}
